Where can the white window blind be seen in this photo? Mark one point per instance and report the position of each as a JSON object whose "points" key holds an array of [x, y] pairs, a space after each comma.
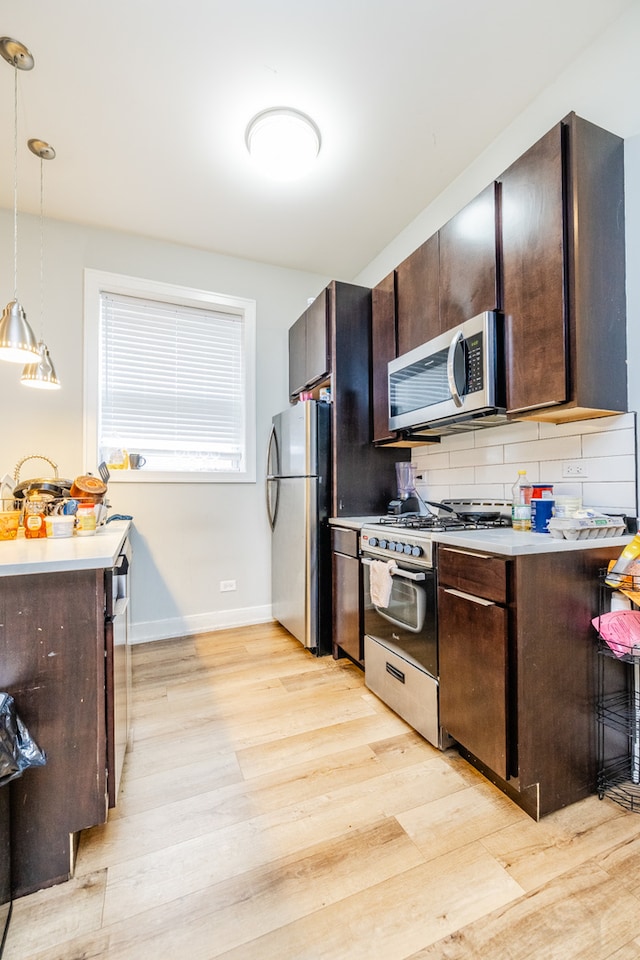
{"points": [[172, 385]]}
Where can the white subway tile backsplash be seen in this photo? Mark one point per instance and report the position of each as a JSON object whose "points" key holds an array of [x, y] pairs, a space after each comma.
{"points": [[614, 444], [562, 448], [484, 463]]}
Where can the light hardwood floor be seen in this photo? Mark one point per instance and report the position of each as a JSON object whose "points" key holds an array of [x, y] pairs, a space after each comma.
{"points": [[272, 807]]}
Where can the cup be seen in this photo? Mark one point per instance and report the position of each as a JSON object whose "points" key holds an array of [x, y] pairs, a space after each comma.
{"points": [[542, 510], [136, 461]]}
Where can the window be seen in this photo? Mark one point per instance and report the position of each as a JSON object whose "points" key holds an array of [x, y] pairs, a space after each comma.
{"points": [[169, 374]]}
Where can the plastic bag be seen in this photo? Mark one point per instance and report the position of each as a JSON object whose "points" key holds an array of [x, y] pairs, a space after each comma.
{"points": [[18, 749]]}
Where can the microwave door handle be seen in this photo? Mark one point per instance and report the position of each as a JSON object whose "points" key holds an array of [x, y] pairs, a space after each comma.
{"points": [[456, 349]]}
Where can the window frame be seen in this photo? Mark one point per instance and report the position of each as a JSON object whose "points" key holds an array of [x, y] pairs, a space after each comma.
{"points": [[97, 282]]}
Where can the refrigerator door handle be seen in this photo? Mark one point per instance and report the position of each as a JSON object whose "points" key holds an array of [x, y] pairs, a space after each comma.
{"points": [[272, 447]]}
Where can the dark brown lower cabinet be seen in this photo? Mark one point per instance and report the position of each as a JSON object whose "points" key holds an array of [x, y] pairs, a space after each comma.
{"points": [[473, 671], [518, 669], [347, 594], [52, 661]]}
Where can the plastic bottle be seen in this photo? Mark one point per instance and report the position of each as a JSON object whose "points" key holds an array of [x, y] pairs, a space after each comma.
{"points": [[521, 502]]}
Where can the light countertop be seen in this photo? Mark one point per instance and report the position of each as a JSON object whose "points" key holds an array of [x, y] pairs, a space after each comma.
{"points": [[353, 523], [56, 554], [501, 540], [513, 543]]}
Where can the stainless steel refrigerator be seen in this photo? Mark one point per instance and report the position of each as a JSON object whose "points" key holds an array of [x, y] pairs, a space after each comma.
{"points": [[298, 496]]}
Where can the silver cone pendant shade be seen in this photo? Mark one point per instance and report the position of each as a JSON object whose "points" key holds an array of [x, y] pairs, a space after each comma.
{"points": [[17, 340], [41, 375]]}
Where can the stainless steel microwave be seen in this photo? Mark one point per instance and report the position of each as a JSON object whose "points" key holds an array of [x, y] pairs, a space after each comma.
{"points": [[456, 377]]}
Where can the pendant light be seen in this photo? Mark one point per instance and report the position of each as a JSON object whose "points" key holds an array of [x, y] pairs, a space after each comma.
{"points": [[17, 340], [42, 374]]}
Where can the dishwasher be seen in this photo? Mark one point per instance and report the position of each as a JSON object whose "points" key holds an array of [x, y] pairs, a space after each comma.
{"points": [[118, 667]]}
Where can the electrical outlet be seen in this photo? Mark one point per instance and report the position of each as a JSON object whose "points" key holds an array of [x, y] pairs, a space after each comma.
{"points": [[226, 585], [574, 468]]}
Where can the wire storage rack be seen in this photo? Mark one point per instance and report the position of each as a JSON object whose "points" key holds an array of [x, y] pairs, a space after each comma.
{"points": [[618, 698]]}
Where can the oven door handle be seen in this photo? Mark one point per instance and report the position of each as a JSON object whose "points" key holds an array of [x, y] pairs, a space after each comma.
{"points": [[398, 572]]}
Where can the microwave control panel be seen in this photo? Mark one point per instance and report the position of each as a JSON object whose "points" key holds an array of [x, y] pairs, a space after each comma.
{"points": [[475, 363]]}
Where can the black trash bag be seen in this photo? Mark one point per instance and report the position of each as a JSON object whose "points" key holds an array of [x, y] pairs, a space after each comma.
{"points": [[18, 749]]}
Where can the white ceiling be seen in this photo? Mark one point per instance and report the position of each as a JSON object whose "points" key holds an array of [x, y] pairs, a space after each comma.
{"points": [[146, 104]]}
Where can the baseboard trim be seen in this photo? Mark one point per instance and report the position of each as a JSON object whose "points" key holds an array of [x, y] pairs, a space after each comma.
{"points": [[150, 630]]}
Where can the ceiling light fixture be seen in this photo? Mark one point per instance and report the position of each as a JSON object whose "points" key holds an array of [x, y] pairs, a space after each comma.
{"points": [[41, 375], [283, 142], [17, 340]]}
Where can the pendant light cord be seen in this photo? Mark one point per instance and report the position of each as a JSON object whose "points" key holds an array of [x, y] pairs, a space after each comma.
{"points": [[15, 182], [41, 248]]}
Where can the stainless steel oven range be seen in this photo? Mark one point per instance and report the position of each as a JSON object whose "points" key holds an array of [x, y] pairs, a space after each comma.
{"points": [[401, 632]]}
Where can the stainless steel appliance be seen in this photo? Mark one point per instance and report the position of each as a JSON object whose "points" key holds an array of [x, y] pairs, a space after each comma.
{"points": [[118, 667], [407, 498], [298, 460], [456, 378], [401, 638]]}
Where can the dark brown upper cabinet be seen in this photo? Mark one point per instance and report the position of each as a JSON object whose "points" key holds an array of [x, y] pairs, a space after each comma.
{"points": [[563, 257], [418, 313], [468, 281], [383, 349], [309, 360]]}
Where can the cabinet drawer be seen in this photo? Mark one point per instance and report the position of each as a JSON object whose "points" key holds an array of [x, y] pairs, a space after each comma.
{"points": [[479, 574], [344, 541]]}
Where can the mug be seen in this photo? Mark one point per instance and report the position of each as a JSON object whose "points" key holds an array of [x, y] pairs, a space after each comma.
{"points": [[136, 461]]}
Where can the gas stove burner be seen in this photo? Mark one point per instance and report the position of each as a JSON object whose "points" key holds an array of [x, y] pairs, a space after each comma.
{"points": [[418, 522]]}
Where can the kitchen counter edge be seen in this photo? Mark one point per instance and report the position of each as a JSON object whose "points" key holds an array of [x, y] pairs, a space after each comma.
{"points": [[513, 543], [55, 555], [353, 523]]}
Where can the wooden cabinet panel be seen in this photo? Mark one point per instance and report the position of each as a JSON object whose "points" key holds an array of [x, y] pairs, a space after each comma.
{"points": [[563, 257], [52, 661], [383, 349], [468, 261], [473, 675], [482, 575], [534, 279], [347, 607], [417, 296], [298, 356], [308, 347]]}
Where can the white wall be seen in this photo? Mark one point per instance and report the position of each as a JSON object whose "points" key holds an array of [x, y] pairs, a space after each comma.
{"points": [[601, 86], [187, 537]]}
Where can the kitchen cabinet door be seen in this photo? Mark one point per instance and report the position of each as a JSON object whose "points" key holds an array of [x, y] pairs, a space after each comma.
{"points": [[308, 347], [472, 636], [468, 276], [383, 348], [563, 256], [417, 297], [347, 594]]}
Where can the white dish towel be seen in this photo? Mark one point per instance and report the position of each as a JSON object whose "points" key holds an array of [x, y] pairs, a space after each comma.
{"points": [[381, 581]]}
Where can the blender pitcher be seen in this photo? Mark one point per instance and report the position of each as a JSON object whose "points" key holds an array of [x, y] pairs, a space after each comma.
{"points": [[407, 500]]}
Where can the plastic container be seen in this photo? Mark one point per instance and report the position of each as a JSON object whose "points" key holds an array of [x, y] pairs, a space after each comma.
{"points": [[630, 553], [541, 513], [86, 521], [567, 506], [9, 520], [60, 526], [586, 528], [521, 503], [541, 491]]}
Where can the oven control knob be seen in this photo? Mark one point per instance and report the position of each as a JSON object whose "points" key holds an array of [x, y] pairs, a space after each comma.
{"points": [[373, 541], [391, 545], [382, 544], [416, 551], [408, 549]]}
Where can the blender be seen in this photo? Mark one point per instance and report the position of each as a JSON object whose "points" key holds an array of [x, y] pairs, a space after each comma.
{"points": [[407, 499]]}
